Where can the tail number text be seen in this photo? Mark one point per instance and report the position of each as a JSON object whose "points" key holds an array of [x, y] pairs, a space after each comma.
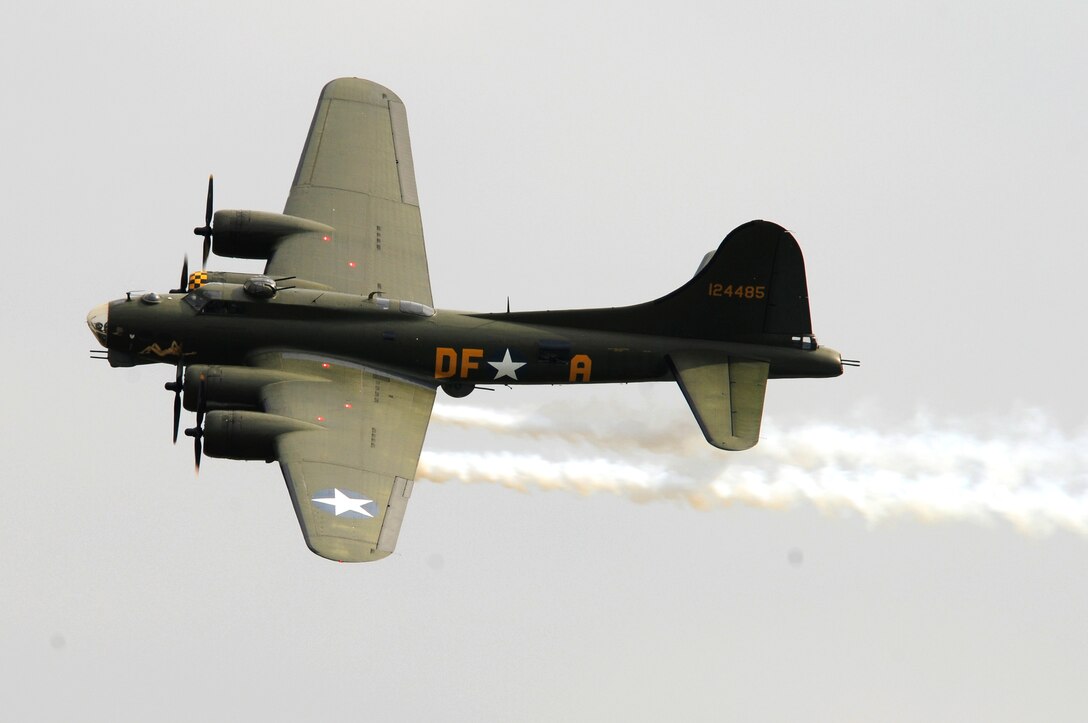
{"points": [[737, 291]]}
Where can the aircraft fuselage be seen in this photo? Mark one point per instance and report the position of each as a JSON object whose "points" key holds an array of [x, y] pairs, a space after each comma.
{"points": [[222, 324]]}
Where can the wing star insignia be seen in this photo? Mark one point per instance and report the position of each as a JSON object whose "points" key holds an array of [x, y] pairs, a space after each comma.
{"points": [[507, 367], [345, 504]]}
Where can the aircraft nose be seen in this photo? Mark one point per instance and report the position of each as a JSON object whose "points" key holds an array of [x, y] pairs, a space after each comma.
{"points": [[97, 319]]}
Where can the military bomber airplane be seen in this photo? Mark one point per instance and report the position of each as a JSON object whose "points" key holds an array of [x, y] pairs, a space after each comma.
{"points": [[329, 361]]}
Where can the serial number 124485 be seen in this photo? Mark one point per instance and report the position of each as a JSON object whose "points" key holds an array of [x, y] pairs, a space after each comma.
{"points": [[737, 291]]}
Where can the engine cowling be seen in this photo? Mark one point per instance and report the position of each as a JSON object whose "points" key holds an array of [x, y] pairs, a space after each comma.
{"points": [[231, 387], [254, 234], [237, 434]]}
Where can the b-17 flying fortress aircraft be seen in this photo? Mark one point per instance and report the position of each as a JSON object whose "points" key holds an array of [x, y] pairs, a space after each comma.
{"points": [[329, 361]]}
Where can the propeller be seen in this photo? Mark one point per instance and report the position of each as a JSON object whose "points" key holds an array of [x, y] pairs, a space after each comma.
{"points": [[176, 386], [183, 287], [197, 432], [206, 230]]}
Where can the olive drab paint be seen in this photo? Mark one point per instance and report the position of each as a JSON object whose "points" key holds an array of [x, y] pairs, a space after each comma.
{"points": [[328, 360]]}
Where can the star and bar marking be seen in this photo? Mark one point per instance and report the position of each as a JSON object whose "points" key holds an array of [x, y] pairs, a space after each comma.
{"points": [[507, 367], [345, 503]]}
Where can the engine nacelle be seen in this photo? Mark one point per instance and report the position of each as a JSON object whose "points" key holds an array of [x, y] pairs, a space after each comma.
{"points": [[236, 434], [254, 234], [232, 387]]}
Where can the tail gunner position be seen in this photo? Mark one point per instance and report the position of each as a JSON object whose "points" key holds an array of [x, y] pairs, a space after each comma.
{"points": [[329, 361]]}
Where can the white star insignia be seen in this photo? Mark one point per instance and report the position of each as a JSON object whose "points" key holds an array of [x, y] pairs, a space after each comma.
{"points": [[507, 367], [342, 503]]}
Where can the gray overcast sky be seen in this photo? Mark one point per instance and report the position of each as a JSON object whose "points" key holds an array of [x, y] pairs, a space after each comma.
{"points": [[931, 160]]}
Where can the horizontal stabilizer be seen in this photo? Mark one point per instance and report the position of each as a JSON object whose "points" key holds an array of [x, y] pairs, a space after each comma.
{"points": [[725, 394]]}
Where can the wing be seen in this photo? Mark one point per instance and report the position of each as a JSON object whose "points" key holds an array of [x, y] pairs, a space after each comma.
{"points": [[725, 394], [356, 175], [350, 480]]}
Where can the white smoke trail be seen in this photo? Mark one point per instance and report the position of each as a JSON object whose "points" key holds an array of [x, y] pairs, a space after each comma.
{"points": [[1030, 474]]}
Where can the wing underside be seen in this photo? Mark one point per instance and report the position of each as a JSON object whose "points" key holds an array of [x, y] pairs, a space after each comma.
{"points": [[356, 175], [351, 477]]}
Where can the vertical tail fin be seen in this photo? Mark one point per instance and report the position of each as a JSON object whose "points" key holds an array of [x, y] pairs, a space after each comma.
{"points": [[753, 286], [752, 289]]}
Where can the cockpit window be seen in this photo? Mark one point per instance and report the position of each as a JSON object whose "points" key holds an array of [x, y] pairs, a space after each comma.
{"points": [[221, 306], [199, 298], [415, 308]]}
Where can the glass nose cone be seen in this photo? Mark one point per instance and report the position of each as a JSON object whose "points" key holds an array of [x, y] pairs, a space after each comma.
{"points": [[97, 319]]}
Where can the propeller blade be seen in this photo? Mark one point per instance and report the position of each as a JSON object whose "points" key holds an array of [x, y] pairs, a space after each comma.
{"points": [[197, 432], [177, 414], [208, 208], [201, 407], [201, 403], [176, 387], [183, 287], [206, 230]]}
